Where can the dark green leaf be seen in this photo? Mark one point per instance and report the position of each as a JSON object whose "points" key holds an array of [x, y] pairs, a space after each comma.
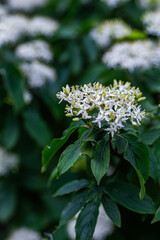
{"points": [[36, 126], [153, 165], [138, 155], [73, 207], [157, 216], [100, 162], [71, 187], [112, 210], [127, 195], [69, 156], [15, 86], [86, 221], [10, 132], [150, 136], [49, 151], [8, 202]]}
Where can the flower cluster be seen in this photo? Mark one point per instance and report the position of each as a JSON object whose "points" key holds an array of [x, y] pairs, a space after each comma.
{"points": [[152, 22], [112, 105], [34, 50], [146, 4], [25, 234], [104, 226], [38, 73], [24, 5], [108, 30], [8, 162], [114, 3], [133, 55]]}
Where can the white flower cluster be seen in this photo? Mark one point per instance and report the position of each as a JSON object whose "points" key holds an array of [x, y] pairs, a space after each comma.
{"points": [[147, 4], [12, 28], [8, 162], [112, 105], [104, 226], [114, 3], [133, 55], [42, 26], [34, 50], [152, 22], [38, 73], [108, 30], [24, 234], [25, 5], [27, 97]]}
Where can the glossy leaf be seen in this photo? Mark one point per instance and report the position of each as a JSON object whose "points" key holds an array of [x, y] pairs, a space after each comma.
{"points": [[101, 159], [69, 156], [71, 187], [112, 210], [149, 137], [86, 221], [157, 216], [127, 195], [49, 151], [73, 207]]}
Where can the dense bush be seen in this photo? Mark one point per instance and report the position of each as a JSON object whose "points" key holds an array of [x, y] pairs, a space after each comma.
{"points": [[41, 50]]}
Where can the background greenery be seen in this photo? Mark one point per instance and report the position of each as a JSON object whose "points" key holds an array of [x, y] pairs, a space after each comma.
{"points": [[26, 197]]}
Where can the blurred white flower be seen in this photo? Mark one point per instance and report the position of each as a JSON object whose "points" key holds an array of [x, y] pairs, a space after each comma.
{"points": [[114, 3], [147, 4], [37, 73], [108, 30], [114, 104], [27, 97], [152, 22], [132, 55], [25, 5], [34, 50], [24, 234], [42, 26], [12, 28], [8, 162], [104, 226]]}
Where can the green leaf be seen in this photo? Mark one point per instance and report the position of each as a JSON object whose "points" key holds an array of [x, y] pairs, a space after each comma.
{"points": [[10, 132], [112, 210], [157, 216], [49, 151], [86, 149], [36, 126], [138, 155], [121, 144], [8, 201], [14, 85], [153, 165], [86, 221], [100, 162], [69, 156], [73, 207], [73, 186], [126, 194], [150, 136]]}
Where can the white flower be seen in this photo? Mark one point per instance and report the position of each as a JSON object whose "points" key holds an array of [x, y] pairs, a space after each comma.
{"points": [[112, 105], [152, 22], [104, 226], [27, 97], [42, 26], [133, 55], [108, 30], [24, 234], [146, 4], [25, 5], [34, 50], [37, 73], [12, 28], [114, 3], [8, 162]]}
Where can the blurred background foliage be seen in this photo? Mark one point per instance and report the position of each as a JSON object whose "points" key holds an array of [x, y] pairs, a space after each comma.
{"points": [[25, 194]]}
